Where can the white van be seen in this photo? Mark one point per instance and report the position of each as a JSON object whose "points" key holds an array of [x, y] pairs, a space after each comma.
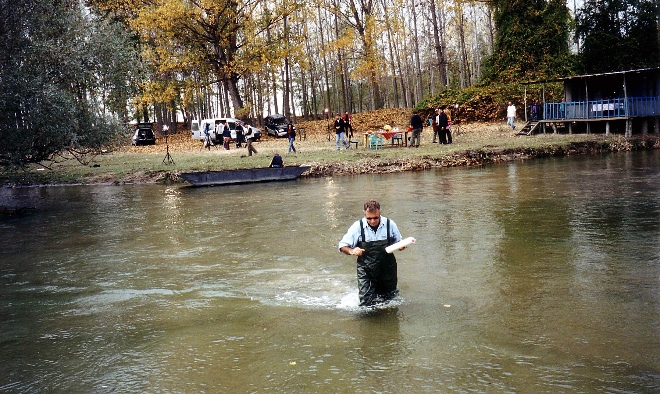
{"points": [[197, 127]]}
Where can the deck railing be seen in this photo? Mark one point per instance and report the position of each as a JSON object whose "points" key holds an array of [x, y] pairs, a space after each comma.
{"points": [[601, 109]]}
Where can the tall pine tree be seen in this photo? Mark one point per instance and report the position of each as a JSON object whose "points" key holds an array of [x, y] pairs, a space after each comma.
{"points": [[618, 35]]}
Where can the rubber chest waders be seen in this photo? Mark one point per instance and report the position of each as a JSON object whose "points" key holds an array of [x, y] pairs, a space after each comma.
{"points": [[376, 269]]}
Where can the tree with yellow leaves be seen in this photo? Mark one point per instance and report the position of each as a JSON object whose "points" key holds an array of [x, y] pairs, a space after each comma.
{"points": [[192, 42]]}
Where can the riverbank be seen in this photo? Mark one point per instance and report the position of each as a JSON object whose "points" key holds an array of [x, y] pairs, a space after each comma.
{"points": [[475, 144]]}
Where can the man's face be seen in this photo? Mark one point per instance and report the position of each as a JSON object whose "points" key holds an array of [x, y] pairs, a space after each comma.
{"points": [[373, 217]]}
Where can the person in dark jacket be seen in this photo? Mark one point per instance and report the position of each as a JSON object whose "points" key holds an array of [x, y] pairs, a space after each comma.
{"points": [[417, 124], [277, 161], [226, 136], [291, 135], [240, 137], [443, 123], [340, 129]]}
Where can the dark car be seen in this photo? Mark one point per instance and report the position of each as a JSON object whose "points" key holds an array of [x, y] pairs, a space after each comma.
{"points": [[144, 135], [275, 125]]}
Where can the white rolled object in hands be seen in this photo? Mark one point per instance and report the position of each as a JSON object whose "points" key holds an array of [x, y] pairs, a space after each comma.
{"points": [[400, 244]]}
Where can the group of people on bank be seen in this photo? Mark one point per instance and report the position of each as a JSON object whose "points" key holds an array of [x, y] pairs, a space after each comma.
{"points": [[244, 135], [441, 124]]}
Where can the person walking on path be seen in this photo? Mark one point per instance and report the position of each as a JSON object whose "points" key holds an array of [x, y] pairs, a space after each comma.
{"points": [[249, 138], [291, 135], [443, 123], [367, 239], [207, 136], [340, 127], [511, 115], [417, 125]]}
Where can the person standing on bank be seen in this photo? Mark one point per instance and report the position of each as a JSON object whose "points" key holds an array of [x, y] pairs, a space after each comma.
{"points": [[240, 138], [291, 135], [348, 125], [340, 126], [436, 128], [443, 123], [448, 130], [226, 136], [417, 125], [367, 239], [511, 115]]}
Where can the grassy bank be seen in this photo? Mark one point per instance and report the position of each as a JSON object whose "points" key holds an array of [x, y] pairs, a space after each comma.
{"points": [[477, 144]]}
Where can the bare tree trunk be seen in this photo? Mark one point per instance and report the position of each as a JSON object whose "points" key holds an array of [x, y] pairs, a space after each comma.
{"points": [[463, 58], [476, 51], [340, 64], [286, 73], [390, 44], [418, 66], [491, 31], [405, 71], [362, 20], [273, 87], [309, 108], [402, 76], [226, 96], [438, 32], [326, 96]]}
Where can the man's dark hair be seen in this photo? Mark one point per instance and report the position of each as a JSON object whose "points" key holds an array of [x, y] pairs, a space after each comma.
{"points": [[372, 205]]}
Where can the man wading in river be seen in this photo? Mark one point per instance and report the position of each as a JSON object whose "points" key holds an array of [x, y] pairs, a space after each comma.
{"points": [[376, 269]]}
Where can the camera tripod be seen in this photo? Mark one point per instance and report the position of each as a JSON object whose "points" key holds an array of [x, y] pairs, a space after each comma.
{"points": [[168, 158]]}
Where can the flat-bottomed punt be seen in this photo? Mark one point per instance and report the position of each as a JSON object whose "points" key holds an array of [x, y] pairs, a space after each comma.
{"points": [[248, 175]]}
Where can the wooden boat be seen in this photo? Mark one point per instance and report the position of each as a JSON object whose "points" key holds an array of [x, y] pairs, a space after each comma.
{"points": [[248, 175]]}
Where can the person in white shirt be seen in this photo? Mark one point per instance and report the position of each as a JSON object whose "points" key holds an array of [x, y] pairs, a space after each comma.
{"points": [[511, 115]]}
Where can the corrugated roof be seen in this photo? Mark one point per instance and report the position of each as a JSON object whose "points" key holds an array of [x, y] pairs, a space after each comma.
{"points": [[590, 75]]}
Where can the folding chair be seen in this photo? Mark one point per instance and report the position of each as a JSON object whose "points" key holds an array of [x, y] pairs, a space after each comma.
{"points": [[375, 141]]}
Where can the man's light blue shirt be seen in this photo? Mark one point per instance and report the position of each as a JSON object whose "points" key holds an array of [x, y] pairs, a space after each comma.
{"points": [[351, 237]]}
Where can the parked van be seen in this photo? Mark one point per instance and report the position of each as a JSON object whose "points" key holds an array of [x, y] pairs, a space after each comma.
{"points": [[216, 125]]}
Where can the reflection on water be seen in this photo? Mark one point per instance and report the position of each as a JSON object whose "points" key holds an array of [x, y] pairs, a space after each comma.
{"points": [[526, 277]]}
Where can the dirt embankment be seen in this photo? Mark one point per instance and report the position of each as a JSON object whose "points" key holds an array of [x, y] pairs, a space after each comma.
{"points": [[477, 157], [478, 144]]}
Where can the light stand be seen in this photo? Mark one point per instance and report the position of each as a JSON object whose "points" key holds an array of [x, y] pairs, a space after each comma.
{"points": [[327, 121], [168, 158], [456, 121]]}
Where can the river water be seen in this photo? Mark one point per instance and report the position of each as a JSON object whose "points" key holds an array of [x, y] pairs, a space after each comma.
{"points": [[527, 277]]}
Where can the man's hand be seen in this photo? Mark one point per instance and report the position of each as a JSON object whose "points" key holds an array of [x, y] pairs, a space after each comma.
{"points": [[352, 251], [356, 251]]}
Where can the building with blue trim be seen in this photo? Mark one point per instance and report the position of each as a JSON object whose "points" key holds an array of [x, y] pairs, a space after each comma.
{"points": [[618, 102]]}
